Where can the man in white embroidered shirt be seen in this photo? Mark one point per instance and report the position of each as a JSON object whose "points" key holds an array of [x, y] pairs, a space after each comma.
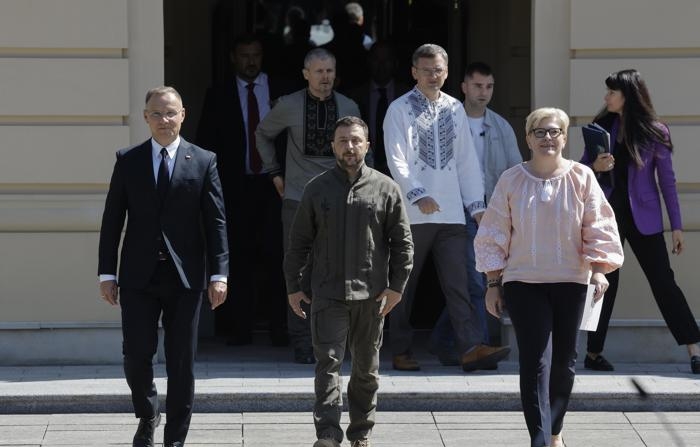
{"points": [[432, 157]]}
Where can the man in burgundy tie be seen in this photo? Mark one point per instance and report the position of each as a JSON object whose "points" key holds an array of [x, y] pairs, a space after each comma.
{"points": [[230, 116]]}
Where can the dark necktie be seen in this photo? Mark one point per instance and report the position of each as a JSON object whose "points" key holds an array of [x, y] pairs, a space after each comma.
{"points": [[253, 119], [379, 154], [163, 176]]}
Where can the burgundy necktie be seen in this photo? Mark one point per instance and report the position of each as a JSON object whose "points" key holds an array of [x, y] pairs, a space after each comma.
{"points": [[253, 119]]}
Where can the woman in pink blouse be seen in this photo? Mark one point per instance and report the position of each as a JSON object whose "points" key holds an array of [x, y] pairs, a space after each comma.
{"points": [[547, 233]]}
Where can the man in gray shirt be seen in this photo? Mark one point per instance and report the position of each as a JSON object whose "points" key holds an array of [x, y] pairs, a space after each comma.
{"points": [[353, 224], [308, 116]]}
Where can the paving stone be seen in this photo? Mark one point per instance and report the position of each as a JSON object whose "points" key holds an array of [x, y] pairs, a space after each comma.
{"points": [[622, 437], [23, 419], [22, 434]]}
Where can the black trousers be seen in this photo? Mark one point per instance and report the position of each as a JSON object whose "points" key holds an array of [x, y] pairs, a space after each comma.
{"points": [[141, 310], [652, 254], [546, 319], [256, 288], [299, 328]]}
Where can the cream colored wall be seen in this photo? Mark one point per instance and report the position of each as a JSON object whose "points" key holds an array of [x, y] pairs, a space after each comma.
{"points": [[73, 76], [576, 43]]}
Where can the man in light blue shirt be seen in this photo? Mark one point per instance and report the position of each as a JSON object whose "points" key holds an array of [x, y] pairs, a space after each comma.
{"points": [[497, 150]]}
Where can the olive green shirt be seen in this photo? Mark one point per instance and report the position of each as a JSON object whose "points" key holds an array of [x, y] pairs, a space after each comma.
{"points": [[357, 234]]}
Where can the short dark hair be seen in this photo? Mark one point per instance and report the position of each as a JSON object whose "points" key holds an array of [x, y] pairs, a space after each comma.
{"points": [[349, 121], [245, 39], [430, 51], [162, 90], [477, 67]]}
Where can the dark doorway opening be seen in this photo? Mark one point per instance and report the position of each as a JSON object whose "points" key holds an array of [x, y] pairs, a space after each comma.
{"points": [[197, 36]]}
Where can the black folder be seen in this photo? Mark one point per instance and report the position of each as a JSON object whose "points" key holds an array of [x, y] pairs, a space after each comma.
{"points": [[596, 141]]}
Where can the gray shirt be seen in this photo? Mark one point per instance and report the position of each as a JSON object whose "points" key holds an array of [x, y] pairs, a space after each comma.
{"points": [[303, 162]]}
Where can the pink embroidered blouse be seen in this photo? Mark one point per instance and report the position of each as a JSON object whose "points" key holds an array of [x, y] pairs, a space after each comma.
{"points": [[546, 231]]}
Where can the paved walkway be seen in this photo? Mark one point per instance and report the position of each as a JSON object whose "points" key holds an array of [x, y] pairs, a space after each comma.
{"points": [[405, 429], [254, 396], [260, 378]]}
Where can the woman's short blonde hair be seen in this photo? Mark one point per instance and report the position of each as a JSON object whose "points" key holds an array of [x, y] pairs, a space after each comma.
{"points": [[536, 116]]}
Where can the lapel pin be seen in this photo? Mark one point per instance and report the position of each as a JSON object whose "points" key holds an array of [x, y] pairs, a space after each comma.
{"points": [[187, 157]]}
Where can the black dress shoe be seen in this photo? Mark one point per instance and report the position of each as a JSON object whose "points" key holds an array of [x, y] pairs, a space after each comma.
{"points": [[598, 364], [305, 356], [279, 338], [144, 434], [239, 340], [695, 364], [174, 444]]}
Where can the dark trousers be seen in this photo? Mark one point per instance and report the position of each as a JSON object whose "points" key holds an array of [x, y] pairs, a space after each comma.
{"points": [[336, 324], [546, 319], [141, 310], [447, 243], [442, 338], [651, 252], [299, 330], [255, 250]]}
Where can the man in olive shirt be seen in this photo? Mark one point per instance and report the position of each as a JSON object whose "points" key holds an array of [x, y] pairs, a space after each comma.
{"points": [[352, 222]]}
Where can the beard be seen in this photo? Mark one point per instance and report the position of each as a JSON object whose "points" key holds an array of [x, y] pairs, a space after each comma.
{"points": [[350, 163]]}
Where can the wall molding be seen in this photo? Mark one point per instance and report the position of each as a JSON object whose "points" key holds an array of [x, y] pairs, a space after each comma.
{"points": [[73, 53], [634, 53]]}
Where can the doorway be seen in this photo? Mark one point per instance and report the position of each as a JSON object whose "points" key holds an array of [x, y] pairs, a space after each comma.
{"points": [[498, 33]]}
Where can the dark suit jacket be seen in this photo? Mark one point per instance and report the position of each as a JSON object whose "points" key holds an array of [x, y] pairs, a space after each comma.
{"points": [[192, 219], [222, 130], [361, 96]]}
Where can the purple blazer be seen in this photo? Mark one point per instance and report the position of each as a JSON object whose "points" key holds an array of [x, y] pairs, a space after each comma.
{"points": [[645, 201]]}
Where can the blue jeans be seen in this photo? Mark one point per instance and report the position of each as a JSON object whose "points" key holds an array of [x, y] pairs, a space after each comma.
{"points": [[442, 337]]}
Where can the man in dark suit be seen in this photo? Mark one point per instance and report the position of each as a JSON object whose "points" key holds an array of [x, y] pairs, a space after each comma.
{"points": [[227, 126], [374, 96], [169, 189]]}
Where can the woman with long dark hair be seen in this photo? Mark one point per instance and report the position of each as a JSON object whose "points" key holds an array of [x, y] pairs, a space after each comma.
{"points": [[640, 155]]}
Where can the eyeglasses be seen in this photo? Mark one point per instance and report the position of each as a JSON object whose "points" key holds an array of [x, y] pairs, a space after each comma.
{"points": [[437, 71], [170, 114], [541, 133]]}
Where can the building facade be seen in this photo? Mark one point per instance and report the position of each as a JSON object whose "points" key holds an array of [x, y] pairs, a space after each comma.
{"points": [[73, 74]]}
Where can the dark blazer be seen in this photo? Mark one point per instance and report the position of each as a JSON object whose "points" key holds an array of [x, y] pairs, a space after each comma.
{"points": [[361, 96], [192, 219], [222, 129]]}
